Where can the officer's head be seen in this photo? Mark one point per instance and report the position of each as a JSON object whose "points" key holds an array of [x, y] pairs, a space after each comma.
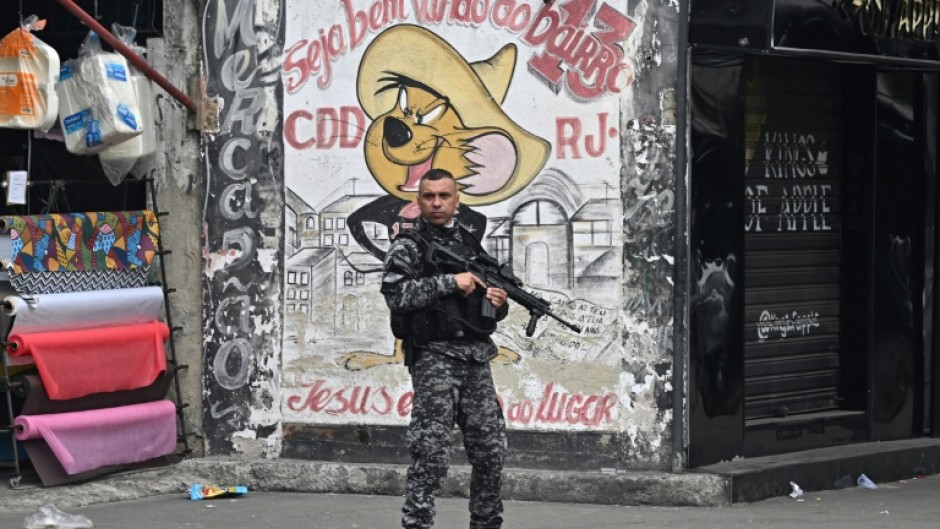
{"points": [[438, 197]]}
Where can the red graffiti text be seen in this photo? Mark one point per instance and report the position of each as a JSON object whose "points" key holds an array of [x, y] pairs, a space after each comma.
{"points": [[568, 137], [467, 12], [556, 407], [357, 400], [325, 128], [588, 64], [315, 56]]}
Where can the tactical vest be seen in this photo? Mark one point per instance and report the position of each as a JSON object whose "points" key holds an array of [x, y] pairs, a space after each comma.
{"points": [[453, 317]]}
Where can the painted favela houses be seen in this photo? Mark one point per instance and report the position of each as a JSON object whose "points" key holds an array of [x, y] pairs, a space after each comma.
{"points": [[532, 106]]}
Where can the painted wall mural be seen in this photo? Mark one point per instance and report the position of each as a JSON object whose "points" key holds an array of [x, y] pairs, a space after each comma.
{"points": [[521, 100]]}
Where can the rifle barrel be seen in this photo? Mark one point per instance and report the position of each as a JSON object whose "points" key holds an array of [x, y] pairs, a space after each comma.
{"points": [[489, 272], [568, 324]]}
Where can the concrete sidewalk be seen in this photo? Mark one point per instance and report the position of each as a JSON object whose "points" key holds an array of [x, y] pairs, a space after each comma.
{"points": [[906, 505], [287, 475], [740, 480]]}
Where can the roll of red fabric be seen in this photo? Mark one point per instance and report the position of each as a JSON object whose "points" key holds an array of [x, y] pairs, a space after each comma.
{"points": [[73, 364]]}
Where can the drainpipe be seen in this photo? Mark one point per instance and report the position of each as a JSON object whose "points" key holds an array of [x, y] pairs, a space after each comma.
{"points": [[681, 292], [128, 53]]}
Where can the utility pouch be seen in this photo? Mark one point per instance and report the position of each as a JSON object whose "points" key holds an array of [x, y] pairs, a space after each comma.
{"points": [[401, 325], [447, 312]]}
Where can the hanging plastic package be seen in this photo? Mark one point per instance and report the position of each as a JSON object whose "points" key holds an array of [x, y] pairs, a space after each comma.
{"points": [[98, 105], [136, 155], [147, 98], [28, 70]]}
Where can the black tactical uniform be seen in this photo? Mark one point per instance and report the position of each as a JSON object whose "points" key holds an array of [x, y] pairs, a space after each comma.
{"points": [[452, 382]]}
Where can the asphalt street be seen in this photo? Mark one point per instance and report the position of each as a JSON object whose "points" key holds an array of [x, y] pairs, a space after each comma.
{"points": [[906, 504]]}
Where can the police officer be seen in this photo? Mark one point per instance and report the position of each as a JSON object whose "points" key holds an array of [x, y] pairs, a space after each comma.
{"points": [[449, 362]]}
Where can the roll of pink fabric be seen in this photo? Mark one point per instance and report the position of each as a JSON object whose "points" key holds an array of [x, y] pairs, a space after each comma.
{"points": [[73, 364], [86, 440]]}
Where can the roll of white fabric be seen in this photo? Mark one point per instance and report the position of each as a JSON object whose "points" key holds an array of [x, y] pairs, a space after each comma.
{"points": [[84, 310]]}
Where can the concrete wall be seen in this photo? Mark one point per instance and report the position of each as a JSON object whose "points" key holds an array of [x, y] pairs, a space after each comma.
{"points": [[558, 118], [179, 182], [650, 249]]}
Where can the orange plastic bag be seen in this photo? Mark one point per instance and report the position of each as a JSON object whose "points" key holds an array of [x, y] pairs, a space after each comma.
{"points": [[28, 70]]}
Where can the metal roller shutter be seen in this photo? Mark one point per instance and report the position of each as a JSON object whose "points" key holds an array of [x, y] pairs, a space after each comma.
{"points": [[792, 237]]}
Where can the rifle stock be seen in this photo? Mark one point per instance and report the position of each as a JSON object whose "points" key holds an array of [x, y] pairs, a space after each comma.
{"points": [[499, 276]]}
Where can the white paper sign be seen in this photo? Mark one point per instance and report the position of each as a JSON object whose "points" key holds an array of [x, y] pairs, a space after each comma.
{"points": [[16, 187]]}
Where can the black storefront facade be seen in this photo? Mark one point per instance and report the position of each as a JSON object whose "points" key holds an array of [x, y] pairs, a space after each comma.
{"points": [[813, 204]]}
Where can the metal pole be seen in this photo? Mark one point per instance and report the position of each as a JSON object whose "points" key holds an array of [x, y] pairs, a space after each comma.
{"points": [[134, 59], [169, 322], [681, 270]]}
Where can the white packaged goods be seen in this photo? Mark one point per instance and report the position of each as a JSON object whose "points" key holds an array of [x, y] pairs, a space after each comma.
{"points": [[28, 70], [148, 148], [137, 154], [98, 103]]}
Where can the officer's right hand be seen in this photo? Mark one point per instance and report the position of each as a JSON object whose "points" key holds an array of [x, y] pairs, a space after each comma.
{"points": [[467, 283]]}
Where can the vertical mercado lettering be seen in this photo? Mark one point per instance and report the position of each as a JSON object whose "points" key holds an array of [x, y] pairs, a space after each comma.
{"points": [[241, 217]]}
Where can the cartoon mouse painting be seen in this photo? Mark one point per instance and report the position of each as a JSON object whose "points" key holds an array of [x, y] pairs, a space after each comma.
{"points": [[430, 108]]}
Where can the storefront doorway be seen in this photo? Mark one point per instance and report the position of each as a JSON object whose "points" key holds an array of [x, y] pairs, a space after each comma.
{"points": [[813, 190]]}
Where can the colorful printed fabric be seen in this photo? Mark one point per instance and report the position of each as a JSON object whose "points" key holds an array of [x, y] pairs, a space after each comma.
{"points": [[83, 242]]}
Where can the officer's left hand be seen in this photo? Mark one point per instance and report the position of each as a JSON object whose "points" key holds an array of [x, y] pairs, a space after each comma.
{"points": [[497, 296]]}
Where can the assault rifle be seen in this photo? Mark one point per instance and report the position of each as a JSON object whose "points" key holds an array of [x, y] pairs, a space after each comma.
{"points": [[488, 270]]}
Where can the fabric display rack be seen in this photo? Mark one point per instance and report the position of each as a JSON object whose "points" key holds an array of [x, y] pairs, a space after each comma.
{"points": [[85, 368]]}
